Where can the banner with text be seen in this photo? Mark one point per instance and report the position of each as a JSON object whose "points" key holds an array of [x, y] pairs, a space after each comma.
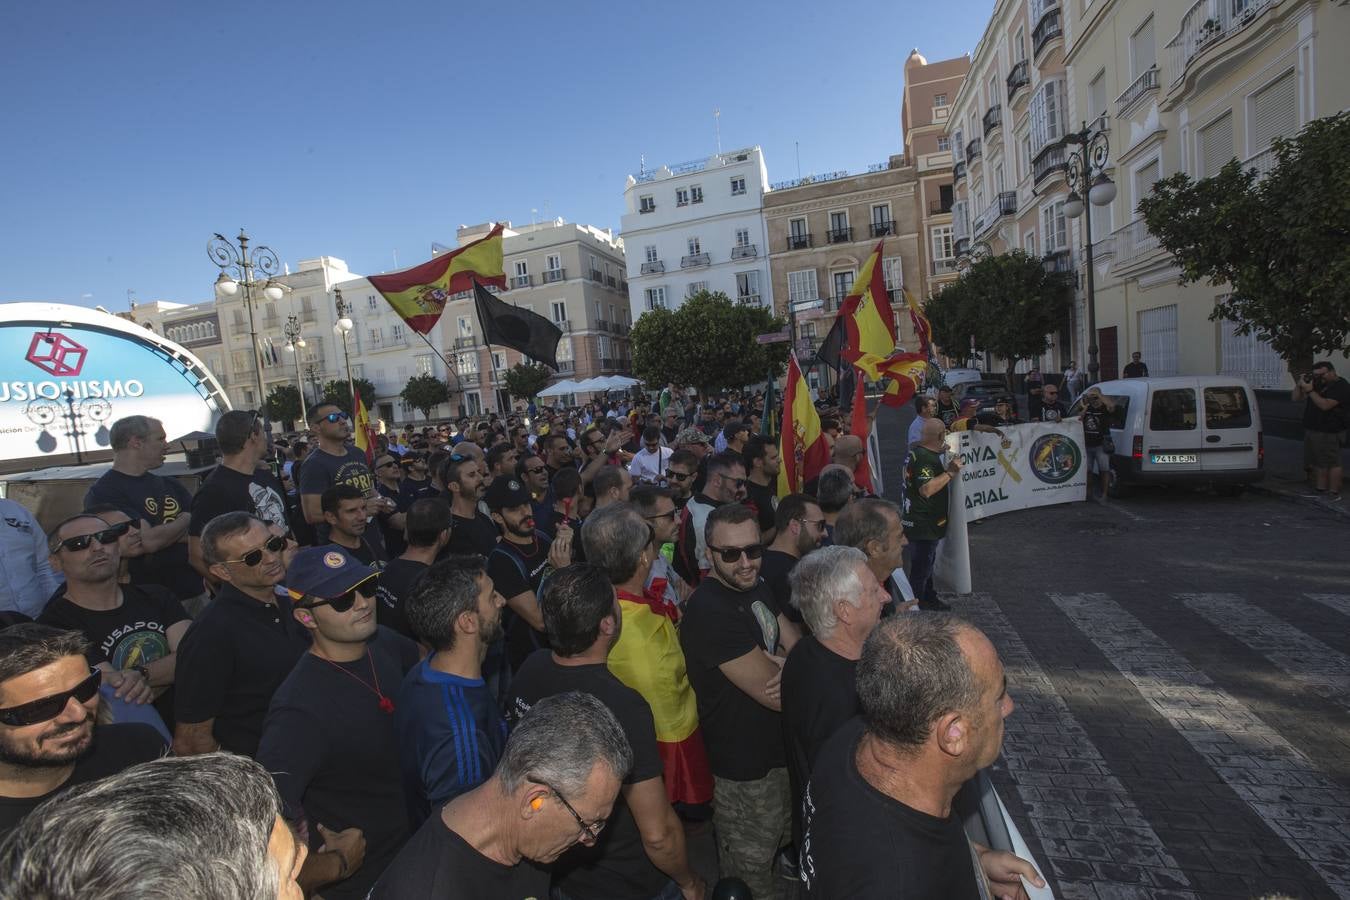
{"points": [[1036, 464]]}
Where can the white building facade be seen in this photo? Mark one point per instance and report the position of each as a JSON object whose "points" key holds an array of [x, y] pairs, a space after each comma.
{"points": [[697, 226]]}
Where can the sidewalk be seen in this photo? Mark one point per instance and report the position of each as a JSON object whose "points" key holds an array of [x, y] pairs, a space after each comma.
{"points": [[1285, 477]]}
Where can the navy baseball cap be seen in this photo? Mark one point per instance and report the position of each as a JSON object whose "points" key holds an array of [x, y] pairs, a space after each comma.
{"points": [[504, 493], [324, 572]]}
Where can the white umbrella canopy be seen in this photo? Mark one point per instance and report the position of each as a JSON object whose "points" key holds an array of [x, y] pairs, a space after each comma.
{"points": [[598, 383], [566, 386], [621, 381]]}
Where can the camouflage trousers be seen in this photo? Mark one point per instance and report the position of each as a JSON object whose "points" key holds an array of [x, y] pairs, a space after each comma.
{"points": [[753, 819]]}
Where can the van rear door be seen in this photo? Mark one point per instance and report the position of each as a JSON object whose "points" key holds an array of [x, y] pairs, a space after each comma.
{"points": [[1172, 434], [1230, 429]]}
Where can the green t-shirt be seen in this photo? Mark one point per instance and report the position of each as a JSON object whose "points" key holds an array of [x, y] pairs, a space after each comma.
{"points": [[925, 518]]}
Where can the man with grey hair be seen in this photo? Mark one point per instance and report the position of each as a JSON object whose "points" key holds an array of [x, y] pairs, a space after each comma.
{"points": [[555, 786], [161, 504], [834, 490], [237, 484], [206, 827], [873, 526], [878, 817]]}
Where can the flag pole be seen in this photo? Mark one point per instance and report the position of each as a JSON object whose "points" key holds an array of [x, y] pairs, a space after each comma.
{"points": [[451, 370]]}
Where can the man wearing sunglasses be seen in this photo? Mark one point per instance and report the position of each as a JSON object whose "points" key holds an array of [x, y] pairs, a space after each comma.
{"points": [[241, 483], [726, 484], [133, 630], [649, 463], [129, 546], [241, 647], [334, 461], [416, 484], [389, 485], [49, 739], [161, 504], [680, 474], [329, 735], [731, 635], [643, 854]]}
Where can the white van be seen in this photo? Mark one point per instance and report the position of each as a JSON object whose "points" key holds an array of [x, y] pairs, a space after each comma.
{"points": [[1161, 437]]}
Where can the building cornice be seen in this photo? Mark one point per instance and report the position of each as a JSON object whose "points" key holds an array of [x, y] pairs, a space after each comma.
{"points": [[834, 201]]}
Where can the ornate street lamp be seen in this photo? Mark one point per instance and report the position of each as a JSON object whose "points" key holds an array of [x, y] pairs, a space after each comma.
{"points": [[343, 327], [1086, 170], [294, 340], [237, 267]]}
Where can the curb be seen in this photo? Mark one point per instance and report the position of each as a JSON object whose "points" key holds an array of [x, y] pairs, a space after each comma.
{"points": [[1300, 499]]}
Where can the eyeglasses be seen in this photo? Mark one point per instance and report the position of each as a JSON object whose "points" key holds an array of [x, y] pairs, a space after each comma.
{"points": [[336, 417], [817, 524], [535, 470], [731, 554], [739, 482], [275, 544], [668, 514], [385, 465], [345, 601], [49, 708], [678, 476], [589, 830], [108, 535]]}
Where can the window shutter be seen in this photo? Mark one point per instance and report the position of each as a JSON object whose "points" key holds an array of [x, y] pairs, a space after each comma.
{"points": [[1216, 145], [1274, 112]]}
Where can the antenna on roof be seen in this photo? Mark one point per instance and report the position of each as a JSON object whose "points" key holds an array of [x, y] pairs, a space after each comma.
{"points": [[717, 124], [642, 164]]}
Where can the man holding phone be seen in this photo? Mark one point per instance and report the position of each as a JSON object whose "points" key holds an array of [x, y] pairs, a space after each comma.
{"points": [[1326, 415]]}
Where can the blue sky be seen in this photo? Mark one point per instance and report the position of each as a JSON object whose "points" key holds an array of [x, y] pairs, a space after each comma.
{"points": [[134, 130]]}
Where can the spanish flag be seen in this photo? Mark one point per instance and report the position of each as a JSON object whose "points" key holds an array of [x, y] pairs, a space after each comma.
{"points": [[419, 294], [906, 372], [868, 323], [647, 657], [362, 433], [801, 443], [922, 327]]}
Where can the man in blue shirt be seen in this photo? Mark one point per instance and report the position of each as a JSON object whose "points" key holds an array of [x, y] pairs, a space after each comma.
{"points": [[450, 732], [27, 581]]}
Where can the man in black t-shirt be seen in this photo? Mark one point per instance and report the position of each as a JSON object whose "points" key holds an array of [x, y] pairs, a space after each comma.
{"points": [[946, 406], [237, 484], [1051, 408], [161, 504], [334, 461], [762, 463], [344, 511], [51, 747], [933, 697], [644, 848], [470, 530], [1326, 416], [800, 527], [532, 809], [1136, 367], [731, 636], [241, 647], [329, 738], [427, 529], [1096, 419], [388, 484], [875, 527]]}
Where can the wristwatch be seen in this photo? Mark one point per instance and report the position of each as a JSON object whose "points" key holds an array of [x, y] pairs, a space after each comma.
{"points": [[145, 672]]}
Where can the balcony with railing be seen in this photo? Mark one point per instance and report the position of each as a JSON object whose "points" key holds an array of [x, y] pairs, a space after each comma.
{"points": [[520, 281], [653, 267], [1145, 84], [695, 261], [993, 118], [973, 150], [1049, 162], [1005, 204], [962, 247], [552, 275], [1048, 29], [1133, 244], [563, 324], [597, 276], [466, 341], [609, 362], [1018, 78], [621, 329], [748, 299], [840, 235], [798, 241], [940, 267], [1261, 163], [566, 365], [881, 229], [939, 207], [958, 170], [744, 251], [611, 282], [1059, 262], [603, 325], [1206, 24]]}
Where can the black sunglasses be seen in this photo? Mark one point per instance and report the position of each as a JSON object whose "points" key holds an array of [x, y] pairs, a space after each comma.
{"points": [[535, 470], [108, 535], [731, 554], [678, 476], [739, 482], [275, 544], [50, 707], [336, 417], [345, 601]]}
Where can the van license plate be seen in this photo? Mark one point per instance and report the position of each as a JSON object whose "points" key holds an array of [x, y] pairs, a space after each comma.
{"points": [[1174, 458]]}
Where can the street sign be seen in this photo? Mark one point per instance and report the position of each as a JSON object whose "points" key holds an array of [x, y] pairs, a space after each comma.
{"points": [[800, 305], [775, 337]]}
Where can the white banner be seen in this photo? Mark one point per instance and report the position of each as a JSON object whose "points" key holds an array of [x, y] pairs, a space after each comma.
{"points": [[1037, 464]]}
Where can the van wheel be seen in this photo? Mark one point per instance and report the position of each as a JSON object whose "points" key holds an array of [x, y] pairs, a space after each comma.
{"points": [[1116, 488]]}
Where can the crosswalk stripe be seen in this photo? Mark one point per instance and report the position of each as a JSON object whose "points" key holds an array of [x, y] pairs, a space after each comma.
{"points": [[1338, 602], [1250, 756], [1077, 763], [1319, 668]]}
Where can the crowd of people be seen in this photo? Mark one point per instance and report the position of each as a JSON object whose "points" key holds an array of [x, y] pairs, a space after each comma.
{"points": [[523, 656]]}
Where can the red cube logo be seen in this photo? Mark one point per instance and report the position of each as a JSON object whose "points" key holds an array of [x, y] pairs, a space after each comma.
{"points": [[56, 354]]}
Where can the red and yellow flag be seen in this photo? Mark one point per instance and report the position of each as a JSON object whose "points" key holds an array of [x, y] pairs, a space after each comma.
{"points": [[801, 442], [362, 432], [922, 327], [860, 426], [869, 325], [419, 294], [906, 372]]}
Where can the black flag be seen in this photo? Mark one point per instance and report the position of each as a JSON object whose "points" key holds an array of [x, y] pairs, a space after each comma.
{"points": [[830, 348], [519, 329]]}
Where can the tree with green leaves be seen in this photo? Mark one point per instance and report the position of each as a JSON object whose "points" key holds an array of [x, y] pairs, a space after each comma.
{"points": [[1008, 305], [1279, 244], [340, 393], [708, 342], [424, 392], [525, 380], [951, 329], [283, 404]]}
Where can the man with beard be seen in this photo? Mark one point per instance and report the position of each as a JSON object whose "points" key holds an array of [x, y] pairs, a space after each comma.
{"points": [[557, 451], [329, 735], [237, 484], [532, 473], [518, 565], [762, 462], [48, 707], [612, 484], [643, 854], [344, 510], [873, 525], [241, 647], [658, 510], [726, 484], [800, 529], [450, 732], [681, 471], [470, 530], [731, 636]]}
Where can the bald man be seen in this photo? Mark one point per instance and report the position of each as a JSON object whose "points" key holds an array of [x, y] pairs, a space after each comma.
{"points": [[927, 479]]}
